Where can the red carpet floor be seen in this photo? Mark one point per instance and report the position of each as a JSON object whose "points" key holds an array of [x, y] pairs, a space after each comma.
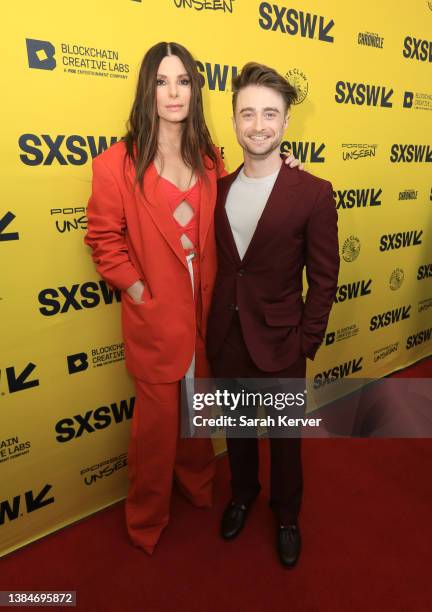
{"points": [[367, 540]]}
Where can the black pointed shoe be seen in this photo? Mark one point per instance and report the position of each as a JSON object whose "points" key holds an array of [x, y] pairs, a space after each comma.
{"points": [[233, 519], [288, 544]]}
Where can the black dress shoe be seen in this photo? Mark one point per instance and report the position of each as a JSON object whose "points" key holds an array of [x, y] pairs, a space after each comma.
{"points": [[233, 519], [288, 544]]}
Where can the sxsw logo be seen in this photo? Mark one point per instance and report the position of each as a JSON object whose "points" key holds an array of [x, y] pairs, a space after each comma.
{"points": [[76, 297], [390, 317], [20, 379], [32, 501], [295, 23], [351, 291], [216, 76], [5, 221], [363, 94], [357, 198], [94, 420], [73, 149], [400, 240], [408, 153], [40, 54], [337, 372], [416, 48], [305, 151], [419, 338], [424, 271]]}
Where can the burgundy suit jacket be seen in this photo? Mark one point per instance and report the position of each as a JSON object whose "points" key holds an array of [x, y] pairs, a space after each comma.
{"points": [[297, 230]]}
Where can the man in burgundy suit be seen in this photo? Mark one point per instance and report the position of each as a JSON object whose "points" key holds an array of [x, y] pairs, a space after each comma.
{"points": [[271, 221]]}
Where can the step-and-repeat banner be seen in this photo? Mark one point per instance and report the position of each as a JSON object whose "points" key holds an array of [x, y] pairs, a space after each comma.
{"points": [[363, 121]]}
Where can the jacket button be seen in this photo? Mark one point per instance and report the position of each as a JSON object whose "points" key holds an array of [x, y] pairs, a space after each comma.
{"points": [[241, 272]]}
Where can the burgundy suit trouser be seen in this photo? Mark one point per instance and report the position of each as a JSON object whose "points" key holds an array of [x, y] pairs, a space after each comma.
{"points": [[286, 478]]}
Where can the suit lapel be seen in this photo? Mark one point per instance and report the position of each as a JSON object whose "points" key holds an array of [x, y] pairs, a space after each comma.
{"points": [[225, 233]]}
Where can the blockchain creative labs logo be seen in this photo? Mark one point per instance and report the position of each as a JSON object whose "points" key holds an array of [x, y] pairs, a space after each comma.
{"points": [[351, 249], [396, 279], [408, 194], [76, 59], [344, 333], [95, 357], [370, 39], [226, 6], [424, 305], [385, 352], [299, 80], [13, 448], [69, 219], [354, 152], [104, 469], [417, 100]]}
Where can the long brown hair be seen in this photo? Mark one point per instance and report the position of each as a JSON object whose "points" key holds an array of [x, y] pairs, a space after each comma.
{"points": [[143, 124]]}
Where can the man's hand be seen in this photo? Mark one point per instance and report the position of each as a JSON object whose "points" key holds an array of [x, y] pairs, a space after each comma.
{"points": [[136, 291], [293, 162]]}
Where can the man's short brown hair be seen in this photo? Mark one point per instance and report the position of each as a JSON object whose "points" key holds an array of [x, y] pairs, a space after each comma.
{"points": [[258, 74]]}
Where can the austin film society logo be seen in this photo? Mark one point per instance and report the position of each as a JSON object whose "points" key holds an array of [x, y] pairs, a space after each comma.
{"points": [[370, 39], [299, 80], [396, 279], [227, 6], [96, 357], [417, 100], [351, 249], [13, 448], [77, 59], [358, 151]]}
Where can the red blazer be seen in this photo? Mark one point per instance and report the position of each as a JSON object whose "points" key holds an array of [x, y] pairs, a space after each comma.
{"points": [[297, 229], [133, 236]]}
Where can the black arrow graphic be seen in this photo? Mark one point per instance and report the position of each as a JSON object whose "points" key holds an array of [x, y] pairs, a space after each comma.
{"points": [[357, 365], [323, 31], [4, 222], [315, 153], [385, 98], [34, 503], [18, 383]]}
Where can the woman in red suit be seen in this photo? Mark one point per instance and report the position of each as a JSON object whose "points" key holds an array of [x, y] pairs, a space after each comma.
{"points": [[150, 226]]}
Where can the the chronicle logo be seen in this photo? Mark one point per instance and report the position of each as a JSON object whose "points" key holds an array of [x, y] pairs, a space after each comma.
{"points": [[357, 151], [76, 59], [28, 503], [357, 198], [396, 279], [407, 153], [94, 420], [298, 79], [12, 448], [216, 76], [74, 149], [424, 305], [416, 48], [19, 379], [305, 151], [390, 317], [424, 271], [78, 296], [351, 291], [344, 333], [102, 470], [385, 352], [370, 39], [420, 338], [400, 240], [419, 101], [337, 372], [99, 356], [362, 94], [69, 219], [295, 23], [351, 249], [408, 194], [227, 6], [5, 221]]}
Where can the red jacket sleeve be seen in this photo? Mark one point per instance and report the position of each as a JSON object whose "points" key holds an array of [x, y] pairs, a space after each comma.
{"points": [[106, 229]]}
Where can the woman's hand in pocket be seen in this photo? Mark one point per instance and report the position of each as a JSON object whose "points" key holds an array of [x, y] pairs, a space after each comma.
{"points": [[136, 291]]}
